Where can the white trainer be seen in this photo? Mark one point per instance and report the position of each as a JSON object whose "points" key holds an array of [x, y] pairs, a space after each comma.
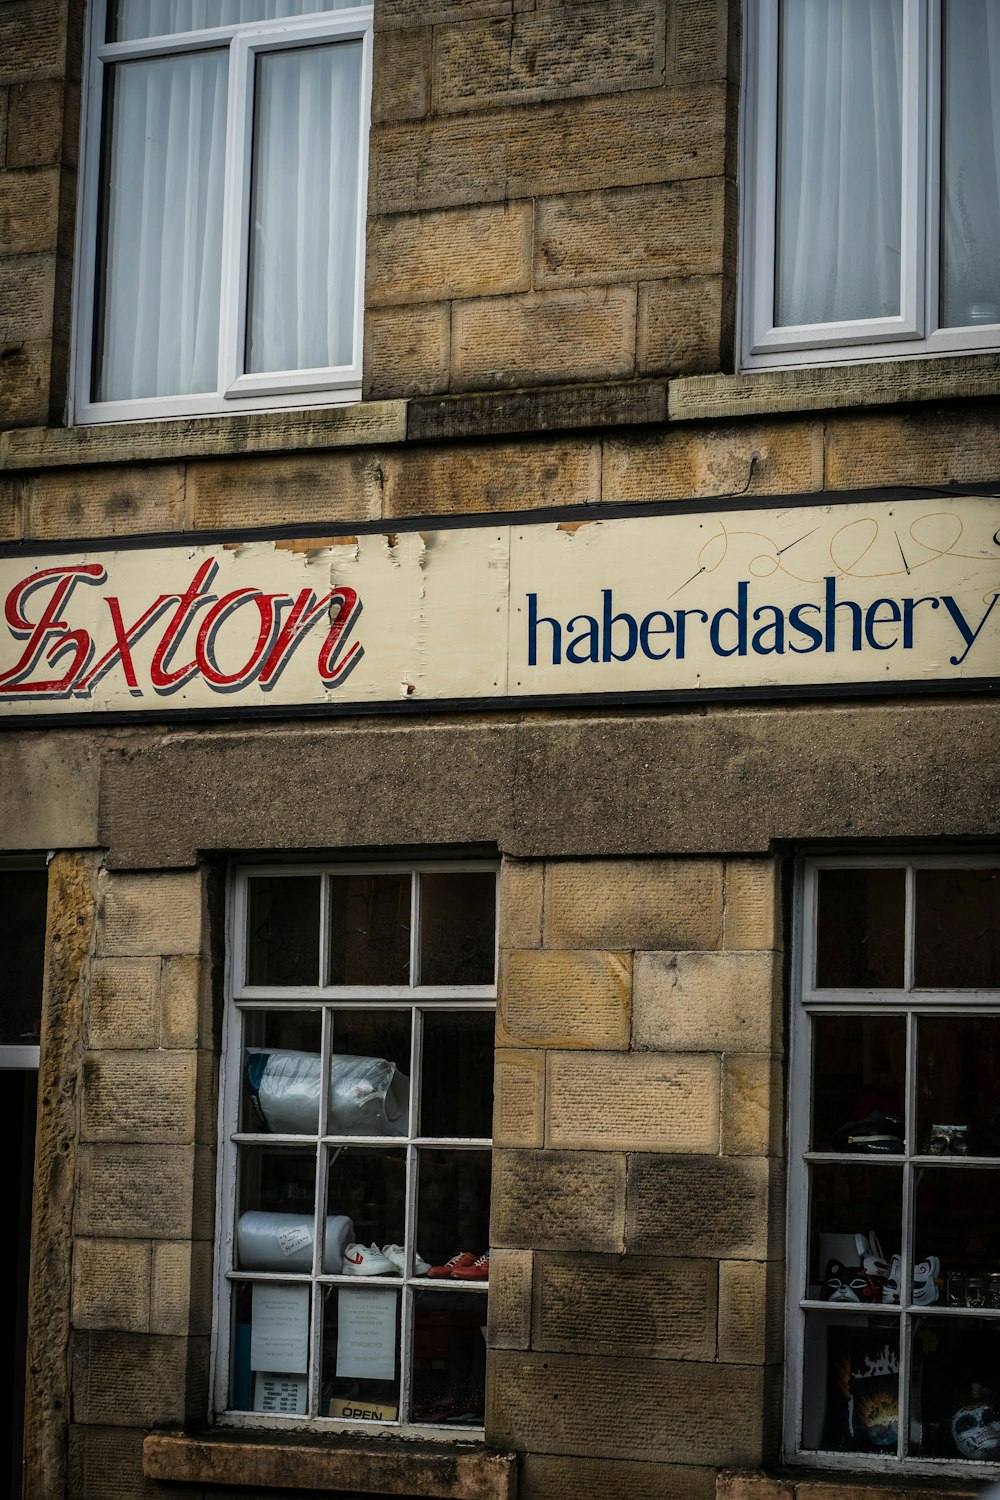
{"points": [[397, 1255], [367, 1260]]}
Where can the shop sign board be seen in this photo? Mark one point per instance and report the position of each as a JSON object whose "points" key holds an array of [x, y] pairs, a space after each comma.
{"points": [[846, 595]]}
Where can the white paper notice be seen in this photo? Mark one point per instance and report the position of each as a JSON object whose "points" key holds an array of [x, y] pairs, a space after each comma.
{"points": [[279, 1338], [285, 1394], [366, 1334]]}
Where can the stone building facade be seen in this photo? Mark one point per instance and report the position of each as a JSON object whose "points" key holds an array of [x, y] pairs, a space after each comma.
{"points": [[550, 294]]}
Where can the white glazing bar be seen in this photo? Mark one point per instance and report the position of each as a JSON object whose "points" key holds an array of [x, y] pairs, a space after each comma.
{"points": [[906, 1231], [325, 902], [909, 930], [414, 929], [412, 1209]]}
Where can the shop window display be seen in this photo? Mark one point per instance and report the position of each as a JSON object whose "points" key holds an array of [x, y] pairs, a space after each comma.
{"points": [[358, 1090], [894, 1253]]}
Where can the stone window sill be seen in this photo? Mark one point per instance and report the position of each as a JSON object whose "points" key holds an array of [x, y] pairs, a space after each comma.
{"points": [[492, 414], [438, 1471], [809, 1485]]}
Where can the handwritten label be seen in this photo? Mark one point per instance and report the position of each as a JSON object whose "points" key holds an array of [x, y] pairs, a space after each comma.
{"points": [[291, 1240]]}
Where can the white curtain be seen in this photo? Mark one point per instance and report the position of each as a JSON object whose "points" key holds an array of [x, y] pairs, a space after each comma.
{"points": [[304, 208], [130, 19], [157, 326], [970, 164], [838, 219]]}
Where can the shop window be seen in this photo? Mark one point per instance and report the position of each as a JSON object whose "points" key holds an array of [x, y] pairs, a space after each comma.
{"points": [[894, 1218], [220, 248], [357, 1116], [872, 175]]}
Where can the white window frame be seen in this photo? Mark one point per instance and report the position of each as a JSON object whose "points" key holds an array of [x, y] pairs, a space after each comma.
{"points": [[239, 996], [915, 330], [806, 1001], [236, 391]]}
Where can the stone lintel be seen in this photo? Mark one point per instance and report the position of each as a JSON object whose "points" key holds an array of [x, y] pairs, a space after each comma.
{"points": [[425, 1469], [496, 413]]}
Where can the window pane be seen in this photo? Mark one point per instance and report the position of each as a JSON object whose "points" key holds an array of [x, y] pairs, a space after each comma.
{"points": [[957, 1234], [276, 1212], [280, 1076], [449, 1359], [851, 1384], [958, 929], [955, 1390], [453, 1214], [360, 1354], [368, 1185], [838, 221], [855, 1231], [129, 19], [970, 163], [458, 928], [859, 1067], [457, 1093], [369, 1073], [269, 1358], [860, 934], [22, 945], [370, 929], [958, 1103], [304, 208], [283, 930], [156, 329]]}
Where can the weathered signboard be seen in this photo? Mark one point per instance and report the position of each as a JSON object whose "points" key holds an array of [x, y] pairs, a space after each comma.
{"points": [[879, 594]]}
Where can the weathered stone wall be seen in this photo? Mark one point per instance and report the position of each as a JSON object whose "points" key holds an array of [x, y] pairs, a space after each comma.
{"points": [[635, 1304]]}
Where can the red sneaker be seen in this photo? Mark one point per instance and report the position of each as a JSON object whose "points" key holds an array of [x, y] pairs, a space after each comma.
{"points": [[455, 1267], [478, 1271]]}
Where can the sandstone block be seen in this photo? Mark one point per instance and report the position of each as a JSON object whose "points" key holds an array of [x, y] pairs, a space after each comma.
{"points": [[682, 325], [146, 1097], [181, 1287], [518, 1097], [29, 210], [552, 1477], [543, 337], [25, 371], [407, 350], [137, 1192], [521, 883], [564, 999], [864, 449], [105, 1463], [640, 903], [129, 1379], [401, 73], [634, 1307], [11, 522], [510, 1299], [35, 124], [465, 252], [280, 490], [753, 904], [750, 1311], [185, 1002], [691, 461], [206, 1097], [752, 1121], [699, 43], [27, 290], [671, 229], [151, 914], [111, 1285], [396, 13], [472, 478], [701, 1205], [549, 53], [632, 1101], [720, 1002], [754, 1487], [123, 1003], [106, 502], [675, 1411], [32, 39], [556, 1200], [48, 790]]}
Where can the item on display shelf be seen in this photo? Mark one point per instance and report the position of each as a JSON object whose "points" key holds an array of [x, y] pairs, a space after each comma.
{"points": [[876, 1134], [367, 1260], [975, 1426], [926, 1288], [397, 1255], [947, 1140], [976, 1291], [850, 1284], [892, 1289], [368, 1095], [862, 1392], [284, 1242], [463, 1267]]}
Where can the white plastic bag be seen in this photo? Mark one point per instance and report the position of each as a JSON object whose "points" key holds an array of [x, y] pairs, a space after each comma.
{"points": [[284, 1242], [368, 1095]]}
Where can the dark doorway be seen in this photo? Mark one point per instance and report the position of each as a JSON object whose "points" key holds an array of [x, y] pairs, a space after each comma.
{"points": [[18, 1097]]}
